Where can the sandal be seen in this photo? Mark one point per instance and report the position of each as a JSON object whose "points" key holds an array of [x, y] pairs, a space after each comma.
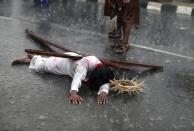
{"points": [[114, 35], [113, 46], [121, 49]]}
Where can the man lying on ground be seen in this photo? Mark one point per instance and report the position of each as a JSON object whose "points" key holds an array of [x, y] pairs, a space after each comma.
{"points": [[88, 69]]}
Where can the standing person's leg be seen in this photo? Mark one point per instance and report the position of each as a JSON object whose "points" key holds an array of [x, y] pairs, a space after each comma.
{"points": [[126, 33], [116, 33], [137, 12], [124, 44], [130, 16], [108, 9], [117, 12], [127, 22]]}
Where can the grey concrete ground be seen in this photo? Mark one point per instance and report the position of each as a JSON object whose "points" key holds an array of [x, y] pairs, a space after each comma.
{"points": [[31, 101]]}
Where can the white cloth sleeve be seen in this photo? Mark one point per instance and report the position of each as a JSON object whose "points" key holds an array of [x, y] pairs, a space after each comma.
{"points": [[38, 64], [104, 88], [80, 75]]}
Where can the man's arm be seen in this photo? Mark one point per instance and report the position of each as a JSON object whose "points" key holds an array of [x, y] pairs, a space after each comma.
{"points": [[79, 76], [102, 98], [103, 94], [75, 98]]}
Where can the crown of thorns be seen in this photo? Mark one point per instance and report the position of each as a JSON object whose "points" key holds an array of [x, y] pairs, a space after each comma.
{"points": [[133, 87]]}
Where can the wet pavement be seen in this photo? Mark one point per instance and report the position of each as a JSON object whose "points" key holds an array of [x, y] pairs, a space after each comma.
{"points": [[31, 101]]}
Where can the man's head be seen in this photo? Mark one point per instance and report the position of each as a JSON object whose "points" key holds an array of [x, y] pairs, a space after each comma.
{"points": [[100, 76]]}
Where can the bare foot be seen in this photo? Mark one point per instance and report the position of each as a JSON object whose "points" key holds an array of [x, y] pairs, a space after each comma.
{"points": [[30, 56], [23, 60]]}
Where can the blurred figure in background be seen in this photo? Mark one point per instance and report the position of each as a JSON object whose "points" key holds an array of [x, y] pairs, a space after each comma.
{"points": [[128, 14]]}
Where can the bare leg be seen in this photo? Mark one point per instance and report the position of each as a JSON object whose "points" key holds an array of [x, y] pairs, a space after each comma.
{"points": [[22, 60], [126, 32], [124, 44]]}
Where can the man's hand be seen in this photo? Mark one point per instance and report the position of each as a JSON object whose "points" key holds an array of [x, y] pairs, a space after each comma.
{"points": [[102, 98], [75, 98]]}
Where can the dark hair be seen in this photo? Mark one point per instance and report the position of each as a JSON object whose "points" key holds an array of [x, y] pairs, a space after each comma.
{"points": [[100, 76]]}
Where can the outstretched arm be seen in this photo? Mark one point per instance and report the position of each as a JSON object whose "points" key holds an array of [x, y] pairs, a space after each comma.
{"points": [[103, 94], [75, 98], [79, 76], [102, 98]]}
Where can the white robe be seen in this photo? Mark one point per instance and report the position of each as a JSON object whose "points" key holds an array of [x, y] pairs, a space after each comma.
{"points": [[79, 70]]}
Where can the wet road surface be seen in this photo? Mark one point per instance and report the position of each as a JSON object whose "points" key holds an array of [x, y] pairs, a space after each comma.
{"points": [[31, 101]]}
